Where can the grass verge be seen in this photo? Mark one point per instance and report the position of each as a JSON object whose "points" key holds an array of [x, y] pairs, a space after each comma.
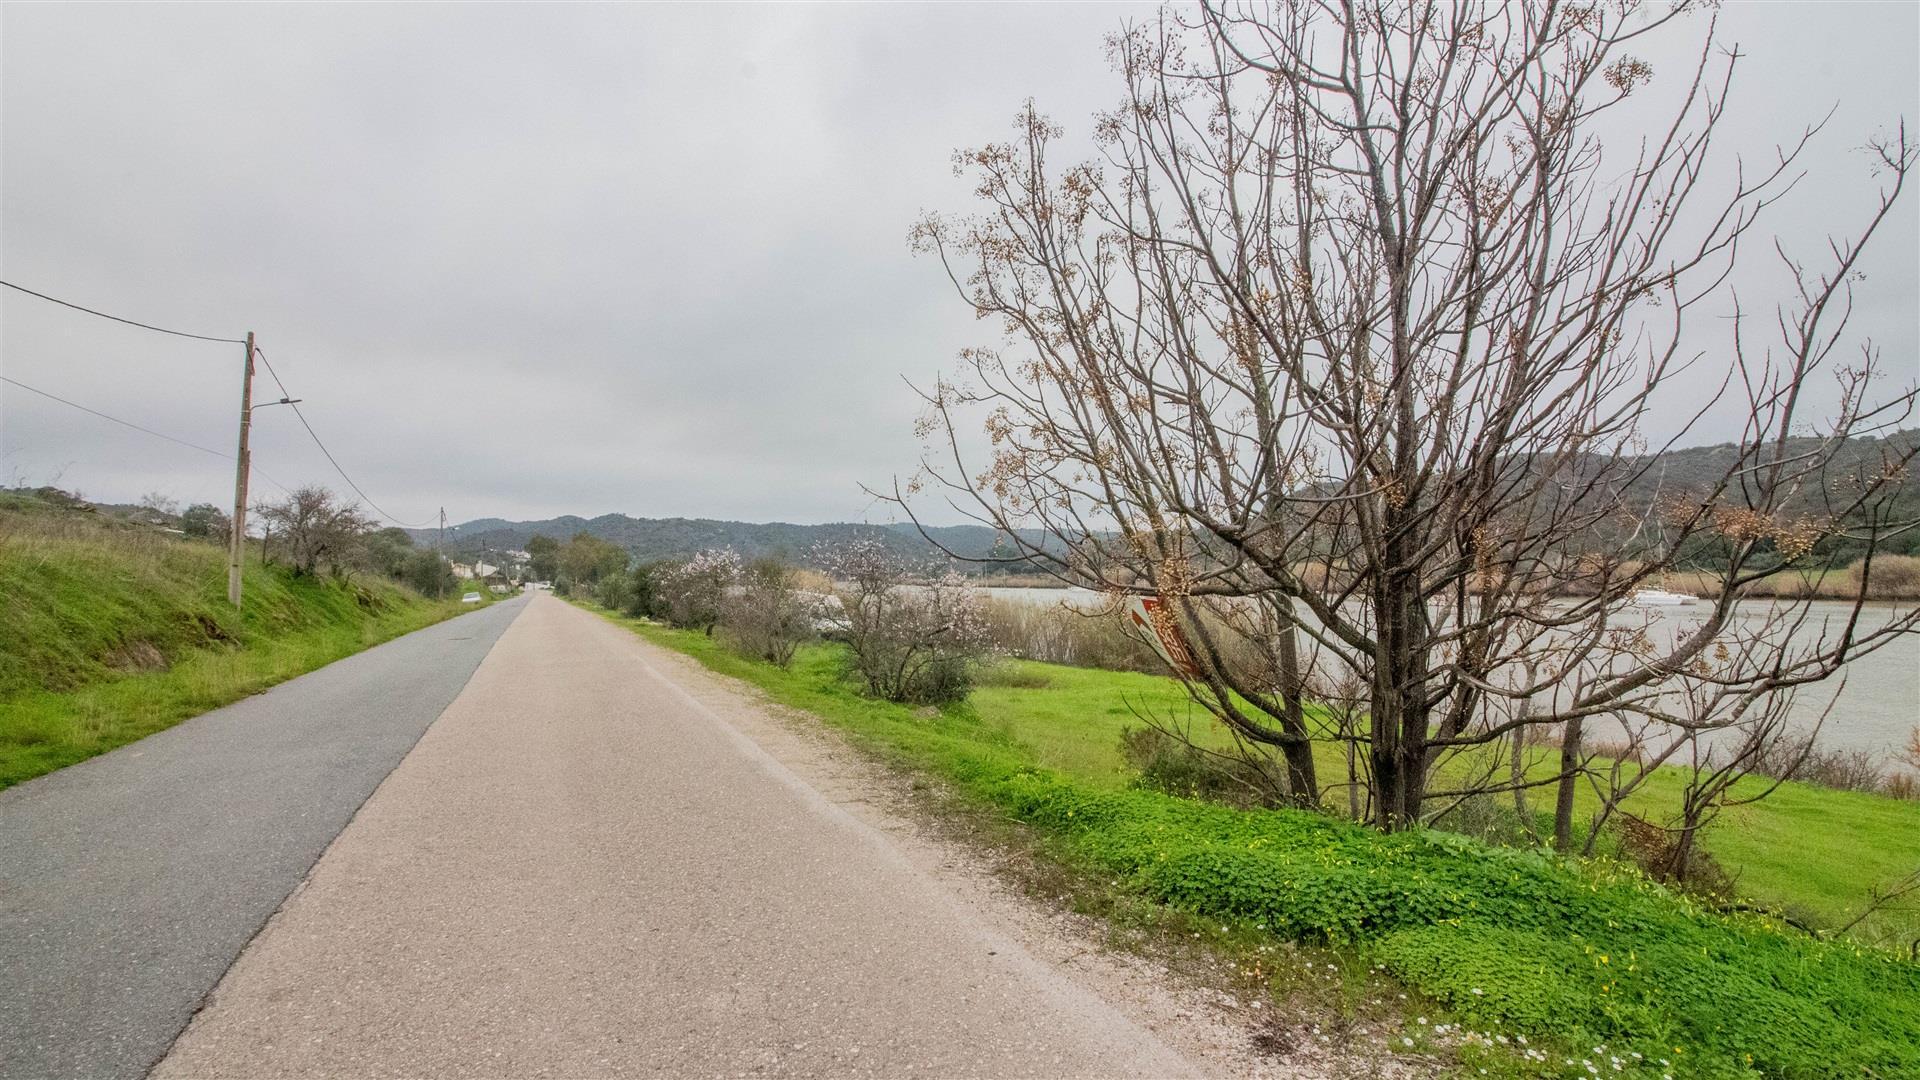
{"points": [[1591, 964], [112, 633]]}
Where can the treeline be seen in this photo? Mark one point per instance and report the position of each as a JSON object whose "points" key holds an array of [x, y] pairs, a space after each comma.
{"points": [[911, 636], [312, 531], [678, 539]]}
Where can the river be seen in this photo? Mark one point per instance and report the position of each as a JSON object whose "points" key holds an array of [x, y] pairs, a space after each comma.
{"points": [[1878, 703]]}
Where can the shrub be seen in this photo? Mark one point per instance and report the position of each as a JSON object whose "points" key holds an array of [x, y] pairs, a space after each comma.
{"points": [[644, 598], [1057, 634], [1805, 760], [614, 591], [763, 617], [1486, 816], [1175, 766], [911, 642], [690, 594], [205, 521], [1894, 577], [1666, 857]]}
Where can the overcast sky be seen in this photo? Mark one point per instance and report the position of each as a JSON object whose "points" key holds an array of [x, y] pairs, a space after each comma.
{"points": [[522, 261]]}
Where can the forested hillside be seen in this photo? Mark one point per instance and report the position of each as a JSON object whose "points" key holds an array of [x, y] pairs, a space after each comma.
{"points": [[648, 539], [1682, 473]]}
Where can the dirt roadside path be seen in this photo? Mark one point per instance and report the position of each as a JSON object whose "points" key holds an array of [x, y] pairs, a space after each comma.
{"points": [[602, 861]]}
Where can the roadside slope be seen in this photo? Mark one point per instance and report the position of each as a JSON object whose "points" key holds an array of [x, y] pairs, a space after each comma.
{"points": [[111, 631], [128, 883], [582, 870]]}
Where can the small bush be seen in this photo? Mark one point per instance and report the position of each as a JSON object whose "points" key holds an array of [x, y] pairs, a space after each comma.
{"points": [[763, 617], [691, 593], [644, 598], [1667, 857], [915, 642], [1172, 765], [1489, 817], [1806, 761]]}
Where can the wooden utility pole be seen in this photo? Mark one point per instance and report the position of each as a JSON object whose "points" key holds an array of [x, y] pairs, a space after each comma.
{"points": [[239, 537]]}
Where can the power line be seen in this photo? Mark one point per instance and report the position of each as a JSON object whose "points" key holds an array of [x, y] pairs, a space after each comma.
{"points": [[285, 393], [118, 319], [134, 426], [285, 396]]}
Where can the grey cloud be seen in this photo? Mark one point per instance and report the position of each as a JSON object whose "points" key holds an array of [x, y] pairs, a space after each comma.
{"points": [[530, 260]]}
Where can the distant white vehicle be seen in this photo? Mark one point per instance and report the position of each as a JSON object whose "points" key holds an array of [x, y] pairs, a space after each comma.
{"points": [[470, 598], [1661, 598]]}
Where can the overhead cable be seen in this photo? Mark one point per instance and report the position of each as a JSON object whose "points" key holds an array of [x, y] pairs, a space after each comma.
{"points": [[118, 319], [144, 430], [287, 394]]}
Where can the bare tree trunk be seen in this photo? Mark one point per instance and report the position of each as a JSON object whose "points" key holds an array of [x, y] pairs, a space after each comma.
{"points": [[1569, 776], [1302, 782], [1517, 776]]}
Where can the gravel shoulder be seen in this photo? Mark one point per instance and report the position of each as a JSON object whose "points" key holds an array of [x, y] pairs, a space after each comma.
{"points": [[603, 861], [1214, 1030]]}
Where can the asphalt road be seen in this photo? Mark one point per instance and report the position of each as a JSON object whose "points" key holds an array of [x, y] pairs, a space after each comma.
{"points": [[130, 882], [585, 869]]}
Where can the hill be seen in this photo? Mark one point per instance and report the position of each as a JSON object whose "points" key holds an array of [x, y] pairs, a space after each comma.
{"points": [[1675, 472], [648, 539]]}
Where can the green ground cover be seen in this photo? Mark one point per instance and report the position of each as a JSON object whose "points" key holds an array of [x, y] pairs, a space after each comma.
{"points": [[1574, 955], [1811, 851], [109, 633]]}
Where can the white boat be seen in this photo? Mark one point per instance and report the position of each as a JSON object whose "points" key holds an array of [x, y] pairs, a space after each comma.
{"points": [[1660, 598]]}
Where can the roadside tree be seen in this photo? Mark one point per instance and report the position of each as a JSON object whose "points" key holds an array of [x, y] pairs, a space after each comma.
{"points": [[1351, 339], [587, 558], [544, 557], [387, 551], [205, 521], [429, 573], [313, 527]]}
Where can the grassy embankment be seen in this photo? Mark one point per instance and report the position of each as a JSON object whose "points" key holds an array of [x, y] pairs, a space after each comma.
{"points": [[1570, 954], [110, 632], [1812, 851]]}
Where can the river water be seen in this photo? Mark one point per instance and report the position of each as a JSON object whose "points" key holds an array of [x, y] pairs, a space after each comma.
{"points": [[1878, 695]]}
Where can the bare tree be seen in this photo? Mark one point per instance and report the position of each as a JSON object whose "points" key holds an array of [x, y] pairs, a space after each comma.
{"points": [[1353, 329], [314, 527]]}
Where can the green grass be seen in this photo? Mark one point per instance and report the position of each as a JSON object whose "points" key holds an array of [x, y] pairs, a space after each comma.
{"points": [[1573, 954], [112, 633], [1812, 851]]}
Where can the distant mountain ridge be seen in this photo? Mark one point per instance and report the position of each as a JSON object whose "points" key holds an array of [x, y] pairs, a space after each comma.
{"points": [[1685, 471], [648, 539]]}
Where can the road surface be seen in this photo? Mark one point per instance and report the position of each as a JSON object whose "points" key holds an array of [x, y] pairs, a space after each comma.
{"points": [[130, 882], [584, 868], [582, 871]]}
